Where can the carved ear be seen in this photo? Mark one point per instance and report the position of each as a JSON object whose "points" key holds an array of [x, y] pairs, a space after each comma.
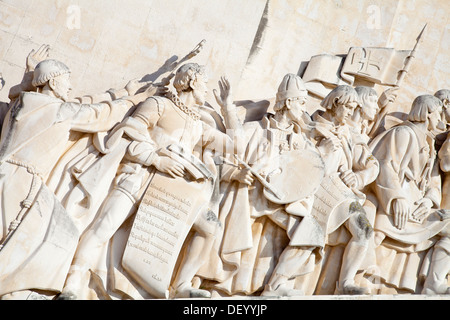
{"points": [[288, 103], [193, 84], [52, 83]]}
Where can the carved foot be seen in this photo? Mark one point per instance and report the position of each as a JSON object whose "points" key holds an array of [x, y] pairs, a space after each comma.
{"points": [[352, 290], [188, 292], [438, 289], [68, 295], [281, 291]]}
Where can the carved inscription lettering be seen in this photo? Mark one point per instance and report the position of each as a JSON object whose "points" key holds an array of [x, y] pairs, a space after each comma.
{"points": [[157, 228]]}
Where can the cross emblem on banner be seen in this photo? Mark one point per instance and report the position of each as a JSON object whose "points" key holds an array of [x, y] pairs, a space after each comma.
{"points": [[368, 61]]}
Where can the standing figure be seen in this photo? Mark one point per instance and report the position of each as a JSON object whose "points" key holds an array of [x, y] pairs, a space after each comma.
{"points": [[350, 165], [155, 125], [35, 135], [408, 190], [274, 157]]}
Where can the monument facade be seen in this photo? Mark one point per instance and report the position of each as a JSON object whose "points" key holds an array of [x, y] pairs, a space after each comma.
{"points": [[260, 148]]}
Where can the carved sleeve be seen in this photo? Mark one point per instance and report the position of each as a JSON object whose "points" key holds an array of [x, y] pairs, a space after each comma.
{"points": [[365, 165], [394, 153], [94, 117], [148, 113]]}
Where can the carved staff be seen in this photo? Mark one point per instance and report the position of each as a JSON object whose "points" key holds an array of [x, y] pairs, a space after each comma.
{"points": [[400, 79], [263, 181]]}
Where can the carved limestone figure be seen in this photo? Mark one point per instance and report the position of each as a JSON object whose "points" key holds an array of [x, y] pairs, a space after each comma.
{"points": [[408, 189], [33, 58], [365, 117], [164, 147], [264, 200], [35, 228], [350, 167]]}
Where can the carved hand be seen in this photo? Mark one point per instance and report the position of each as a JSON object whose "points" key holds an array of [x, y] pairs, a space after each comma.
{"points": [[401, 212], [331, 143], [225, 99], [34, 57], [423, 209], [169, 166], [387, 97], [134, 85], [244, 176], [350, 179]]}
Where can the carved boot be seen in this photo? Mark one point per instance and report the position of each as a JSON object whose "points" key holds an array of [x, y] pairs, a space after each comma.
{"points": [[348, 287], [281, 291], [436, 282], [353, 256], [185, 290]]}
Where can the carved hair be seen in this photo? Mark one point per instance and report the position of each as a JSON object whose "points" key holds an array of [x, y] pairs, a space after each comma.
{"points": [[443, 94], [47, 70], [364, 93], [342, 95], [185, 74], [423, 106]]}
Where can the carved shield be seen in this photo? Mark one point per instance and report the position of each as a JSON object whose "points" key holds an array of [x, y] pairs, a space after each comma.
{"points": [[165, 216], [296, 175]]}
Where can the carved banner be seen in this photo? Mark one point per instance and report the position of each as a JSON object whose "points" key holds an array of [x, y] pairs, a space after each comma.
{"points": [[164, 218]]}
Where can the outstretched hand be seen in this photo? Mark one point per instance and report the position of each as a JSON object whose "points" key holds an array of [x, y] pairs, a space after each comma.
{"points": [[387, 97], [34, 57], [225, 98]]}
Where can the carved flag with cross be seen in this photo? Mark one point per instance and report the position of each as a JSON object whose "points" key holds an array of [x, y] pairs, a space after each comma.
{"points": [[378, 65], [375, 65]]}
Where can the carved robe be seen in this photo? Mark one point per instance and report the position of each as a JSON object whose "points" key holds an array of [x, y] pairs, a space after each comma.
{"points": [[35, 134], [154, 125], [353, 154], [408, 170], [256, 230]]}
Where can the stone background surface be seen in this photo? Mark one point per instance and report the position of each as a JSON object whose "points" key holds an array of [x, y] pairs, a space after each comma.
{"points": [[253, 42]]}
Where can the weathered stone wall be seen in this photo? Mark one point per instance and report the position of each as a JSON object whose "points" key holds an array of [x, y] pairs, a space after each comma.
{"points": [[253, 42]]}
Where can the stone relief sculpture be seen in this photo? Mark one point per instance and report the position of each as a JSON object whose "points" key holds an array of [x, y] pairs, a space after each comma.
{"points": [[146, 193], [160, 130], [408, 190], [261, 210], [34, 136]]}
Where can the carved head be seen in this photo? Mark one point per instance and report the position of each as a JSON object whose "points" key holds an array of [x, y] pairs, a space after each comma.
{"points": [[191, 77], [340, 103], [427, 108], [55, 75], [369, 102], [291, 96], [444, 96]]}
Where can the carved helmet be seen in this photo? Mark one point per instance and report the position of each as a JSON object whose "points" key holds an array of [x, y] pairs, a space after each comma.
{"points": [[47, 70], [291, 86]]}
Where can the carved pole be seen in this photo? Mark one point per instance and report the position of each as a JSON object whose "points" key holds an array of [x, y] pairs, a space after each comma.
{"points": [[408, 60], [375, 129]]}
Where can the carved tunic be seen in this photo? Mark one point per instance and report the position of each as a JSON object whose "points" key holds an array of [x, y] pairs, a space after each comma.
{"points": [[408, 170], [166, 124], [35, 135]]}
